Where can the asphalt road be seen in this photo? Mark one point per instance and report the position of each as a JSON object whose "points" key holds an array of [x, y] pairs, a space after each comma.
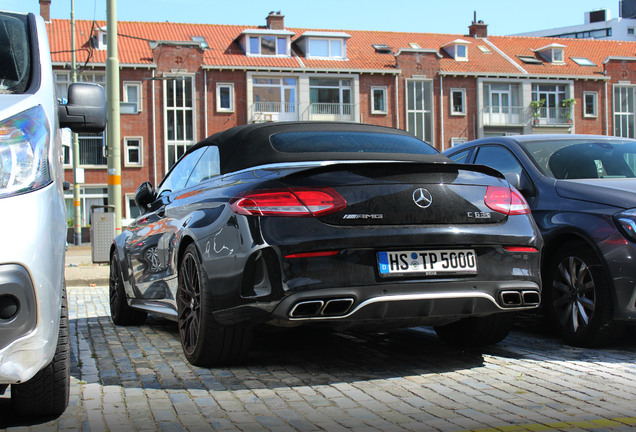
{"points": [[136, 378]]}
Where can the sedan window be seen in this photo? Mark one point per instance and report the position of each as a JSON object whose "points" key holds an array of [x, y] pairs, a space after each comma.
{"points": [[500, 159]]}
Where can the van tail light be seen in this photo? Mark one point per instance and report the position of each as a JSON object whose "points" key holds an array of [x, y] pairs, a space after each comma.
{"points": [[291, 202], [506, 200]]}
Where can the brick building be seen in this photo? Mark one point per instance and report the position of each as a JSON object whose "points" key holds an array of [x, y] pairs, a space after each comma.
{"points": [[182, 82]]}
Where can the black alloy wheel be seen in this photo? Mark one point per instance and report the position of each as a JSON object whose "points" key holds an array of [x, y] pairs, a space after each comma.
{"points": [[121, 313], [577, 297], [205, 342]]}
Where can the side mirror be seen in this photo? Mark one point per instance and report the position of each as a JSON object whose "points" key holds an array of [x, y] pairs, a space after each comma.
{"points": [[66, 185], [144, 196], [85, 110], [521, 183]]}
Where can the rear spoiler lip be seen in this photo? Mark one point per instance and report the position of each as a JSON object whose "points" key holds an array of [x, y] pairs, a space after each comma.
{"points": [[297, 166]]}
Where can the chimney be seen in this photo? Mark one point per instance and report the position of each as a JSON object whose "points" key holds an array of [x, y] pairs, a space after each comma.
{"points": [[45, 9], [478, 29], [275, 21]]}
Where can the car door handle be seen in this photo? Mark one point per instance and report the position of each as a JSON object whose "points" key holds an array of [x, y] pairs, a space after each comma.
{"points": [[161, 212]]}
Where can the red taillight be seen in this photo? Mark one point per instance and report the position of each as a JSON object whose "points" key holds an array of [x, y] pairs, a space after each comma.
{"points": [[506, 200], [527, 249], [293, 202]]}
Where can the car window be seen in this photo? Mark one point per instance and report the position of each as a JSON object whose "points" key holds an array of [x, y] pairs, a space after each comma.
{"points": [[499, 158], [349, 142], [460, 157], [208, 166], [178, 176], [15, 65], [584, 159]]}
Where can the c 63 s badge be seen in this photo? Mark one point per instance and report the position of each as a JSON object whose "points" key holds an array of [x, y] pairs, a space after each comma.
{"points": [[363, 216], [478, 215]]}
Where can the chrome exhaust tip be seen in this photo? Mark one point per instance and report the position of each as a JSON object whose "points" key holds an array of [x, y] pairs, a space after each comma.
{"points": [[510, 298], [337, 307], [531, 298], [306, 309]]}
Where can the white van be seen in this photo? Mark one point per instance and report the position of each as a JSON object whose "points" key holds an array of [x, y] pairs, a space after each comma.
{"points": [[34, 338]]}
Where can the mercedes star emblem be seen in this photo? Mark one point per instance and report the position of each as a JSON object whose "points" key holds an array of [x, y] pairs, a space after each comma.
{"points": [[422, 198]]}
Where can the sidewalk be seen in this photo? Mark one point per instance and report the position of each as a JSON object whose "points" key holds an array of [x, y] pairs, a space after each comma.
{"points": [[80, 270]]}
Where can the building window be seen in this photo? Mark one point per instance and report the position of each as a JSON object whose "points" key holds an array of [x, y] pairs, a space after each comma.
{"points": [[461, 52], [330, 99], [179, 112], [90, 195], [458, 102], [419, 109], [132, 211], [378, 100], [552, 110], [327, 48], [274, 99], [132, 95], [624, 111], [557, 56], [457, 140], [589, 101], [267, 45], [225, 97], [134, 156], [630, 31]]}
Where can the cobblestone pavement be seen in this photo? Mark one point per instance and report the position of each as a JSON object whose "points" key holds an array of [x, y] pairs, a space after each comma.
{"points": [[136, 378]]}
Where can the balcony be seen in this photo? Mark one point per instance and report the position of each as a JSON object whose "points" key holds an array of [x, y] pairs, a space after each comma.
{"points": [[552, 116], [273, 112], [504, 116], [332, 112]]}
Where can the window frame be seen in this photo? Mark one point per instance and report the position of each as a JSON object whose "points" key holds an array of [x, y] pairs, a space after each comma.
{"points": [[382, 89], [459, 57], [129, 197], [127, 147], [595, 96], [343, 48], [453, 112], [138, 85], [220, 86], [248, 45]]}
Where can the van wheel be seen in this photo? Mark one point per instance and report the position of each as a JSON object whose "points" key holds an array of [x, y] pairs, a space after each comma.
{"points": [[476, 331], [47, 393], [120, 312], [204, 342], [577, 297]]}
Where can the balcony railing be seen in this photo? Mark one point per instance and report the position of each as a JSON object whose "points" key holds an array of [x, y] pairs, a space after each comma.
{"points": [[274, 111], [503, 116], [332, 112], [553, 116], [91, 149]]}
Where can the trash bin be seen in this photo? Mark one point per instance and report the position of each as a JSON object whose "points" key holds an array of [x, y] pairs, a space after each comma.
{"points": [[102, 232]]}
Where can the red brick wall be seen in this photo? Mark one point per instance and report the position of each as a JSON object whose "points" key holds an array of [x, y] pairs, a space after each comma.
{"points": [[366, 82], [590, 125], [459, 126]]}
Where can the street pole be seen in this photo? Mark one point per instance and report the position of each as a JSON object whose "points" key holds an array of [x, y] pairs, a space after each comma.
{"points": [[112, 104], [77, 204]]}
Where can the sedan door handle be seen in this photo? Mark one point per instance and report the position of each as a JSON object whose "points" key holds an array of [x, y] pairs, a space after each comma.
{"points": [[161, 212]]}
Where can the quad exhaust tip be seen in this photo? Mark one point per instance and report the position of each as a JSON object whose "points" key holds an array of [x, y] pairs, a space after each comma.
{"points": [[519, 298], [321, 308]]}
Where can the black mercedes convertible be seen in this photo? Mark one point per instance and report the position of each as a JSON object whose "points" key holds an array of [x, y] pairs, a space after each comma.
{"points": [[344, 225]]}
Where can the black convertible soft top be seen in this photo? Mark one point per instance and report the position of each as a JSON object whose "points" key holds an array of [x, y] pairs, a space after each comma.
{"points": [[252, 145]]}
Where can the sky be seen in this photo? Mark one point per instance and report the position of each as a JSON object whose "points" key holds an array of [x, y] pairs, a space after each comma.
{"points": [[425, 16]]}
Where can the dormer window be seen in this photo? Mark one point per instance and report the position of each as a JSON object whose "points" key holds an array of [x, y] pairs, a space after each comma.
{"points": [[553, 53], [266, 42], [458, 49], [324, 45], [100, 38]]}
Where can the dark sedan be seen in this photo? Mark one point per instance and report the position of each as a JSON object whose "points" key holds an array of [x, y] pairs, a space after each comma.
{"points": [[582, 192], [284, 224]]}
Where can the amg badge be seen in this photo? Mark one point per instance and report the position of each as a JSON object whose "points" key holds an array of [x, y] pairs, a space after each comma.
{"points": [[363, 216]]}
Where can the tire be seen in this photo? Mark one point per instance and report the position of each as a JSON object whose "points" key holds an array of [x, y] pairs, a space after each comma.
{"points": [[205, 343], [120, 312], [476, 331], [47, 393], [577, 299]]}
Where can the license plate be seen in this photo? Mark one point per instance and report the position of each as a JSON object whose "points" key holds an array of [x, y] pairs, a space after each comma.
{"points": [[430, 263]]}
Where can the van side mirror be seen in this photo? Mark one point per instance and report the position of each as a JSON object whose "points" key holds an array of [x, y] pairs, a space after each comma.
{"points": [[85, 110]]}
